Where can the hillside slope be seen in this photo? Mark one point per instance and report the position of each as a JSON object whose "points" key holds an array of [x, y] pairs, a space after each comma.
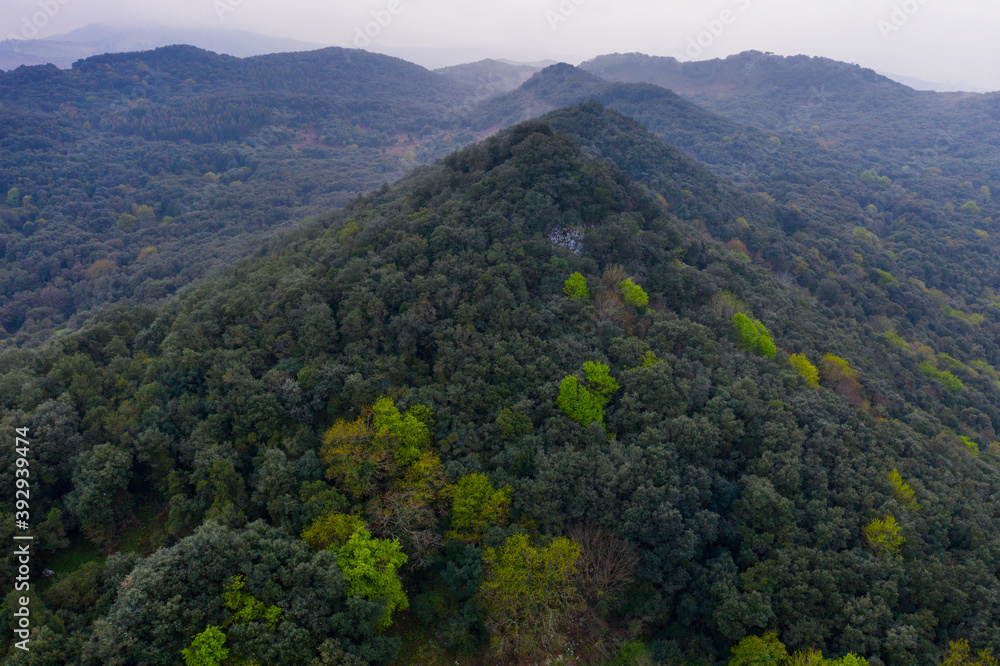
{"points": [[132, 174], [741, 495]]}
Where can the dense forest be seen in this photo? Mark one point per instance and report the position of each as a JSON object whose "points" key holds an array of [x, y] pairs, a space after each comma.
{"points": [[131, 175], [628, 383]]}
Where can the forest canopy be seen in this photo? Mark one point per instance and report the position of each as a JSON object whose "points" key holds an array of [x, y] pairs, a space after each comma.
{"points": [[521, 406]]}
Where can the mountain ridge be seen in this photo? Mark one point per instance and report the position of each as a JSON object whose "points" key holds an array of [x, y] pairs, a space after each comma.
{"points": [[745, 497]]}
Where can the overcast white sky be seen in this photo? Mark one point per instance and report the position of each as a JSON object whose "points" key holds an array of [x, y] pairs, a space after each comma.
{"points": [[947, 41]]}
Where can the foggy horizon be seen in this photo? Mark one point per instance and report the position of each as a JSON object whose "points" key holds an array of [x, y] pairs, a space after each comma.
{"points": [[916, 41]]}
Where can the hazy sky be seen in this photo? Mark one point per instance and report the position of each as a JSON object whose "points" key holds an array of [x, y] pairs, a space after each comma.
{"points": [[948, 41]]}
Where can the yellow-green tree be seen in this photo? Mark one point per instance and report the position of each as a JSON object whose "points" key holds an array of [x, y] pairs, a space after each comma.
{"points": [[633, 293], [409, 431], [836, 370], [759, 651], [902, 491], [371, 569], [365, 454], [972, 446], [815, 658], [332, 528], [960, 654], [476, 505], [838, 373], [884, 536], [357, 460], [805, 368], [576, 286], [528, 593]]}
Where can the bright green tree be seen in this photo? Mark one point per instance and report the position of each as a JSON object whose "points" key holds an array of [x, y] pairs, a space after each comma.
{"points": [[759, 651], [409, 430], [884, 536], [477, 505], [632, 653], [805, 368], [754, 336], [634, 294], [207, 648], [600, 381], [579, 403], [13, 197], [576, 286], [972, 446], [943, 377], [585, 403], [371, 569], [246, 607]]}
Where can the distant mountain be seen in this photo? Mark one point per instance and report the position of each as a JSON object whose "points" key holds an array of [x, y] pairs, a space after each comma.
{"points": [[63, 50], [731, 149], [835, 101], [491, 77], [138, 172], [765, 90], [433, 57], [934, 86]]}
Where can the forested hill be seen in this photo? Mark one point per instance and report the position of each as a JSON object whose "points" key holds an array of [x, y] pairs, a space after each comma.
{"points": [[846, 105], [742, 153], [852, 226], [132, 174], [490, 77], [553, 397], [182, 71]]}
